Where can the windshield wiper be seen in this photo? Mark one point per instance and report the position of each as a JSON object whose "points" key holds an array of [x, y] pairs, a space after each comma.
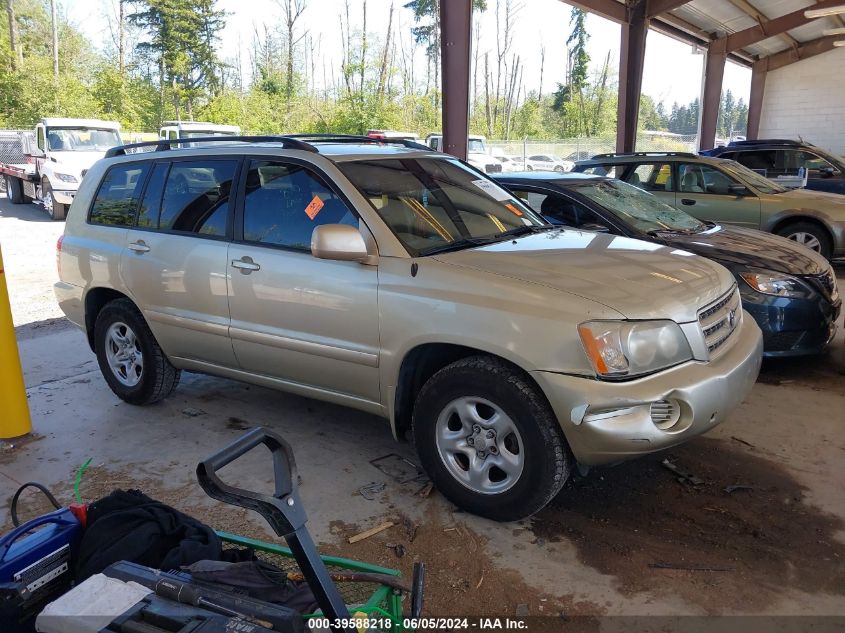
{"points": [[457, 245], [527, 228]]}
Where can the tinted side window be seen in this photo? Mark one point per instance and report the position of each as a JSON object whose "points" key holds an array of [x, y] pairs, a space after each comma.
{"points": [[763, 161], [118, 195], [151, 202], [611, 171], [283, 203], [196, 197]]}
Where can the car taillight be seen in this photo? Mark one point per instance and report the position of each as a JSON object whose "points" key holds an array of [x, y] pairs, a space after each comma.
{"points": [[59, 255]]}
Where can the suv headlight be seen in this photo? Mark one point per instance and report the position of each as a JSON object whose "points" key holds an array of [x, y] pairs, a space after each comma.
{"points": [[775, 284], [66, 177], [624, 349]]}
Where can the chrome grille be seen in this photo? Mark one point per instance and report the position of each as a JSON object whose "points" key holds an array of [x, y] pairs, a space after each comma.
{"points": [[719, 321]]}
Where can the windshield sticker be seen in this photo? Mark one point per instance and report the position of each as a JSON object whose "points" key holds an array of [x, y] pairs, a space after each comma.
{"points": [[314, 207], [513, 210], [492, 189]]}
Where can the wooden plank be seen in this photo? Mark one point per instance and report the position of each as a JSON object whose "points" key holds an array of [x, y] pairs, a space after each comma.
{"points": [[371, 532]]}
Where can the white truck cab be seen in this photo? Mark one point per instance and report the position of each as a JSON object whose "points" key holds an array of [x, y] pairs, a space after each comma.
{"points": [[174, 130], [58, 154], [477, 153]]}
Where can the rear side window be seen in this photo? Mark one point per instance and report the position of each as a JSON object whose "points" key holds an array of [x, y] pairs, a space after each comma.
{"points": [[611, 171], [117, 198], [651, 177], [283, 203], [151, 202], [196, 197]]}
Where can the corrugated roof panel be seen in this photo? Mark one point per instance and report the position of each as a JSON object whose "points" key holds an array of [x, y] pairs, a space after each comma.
{"points": [[777, 8], [715, 17]]}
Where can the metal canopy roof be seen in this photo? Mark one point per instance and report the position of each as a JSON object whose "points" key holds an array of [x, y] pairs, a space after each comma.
{"points": [[752, 29]]}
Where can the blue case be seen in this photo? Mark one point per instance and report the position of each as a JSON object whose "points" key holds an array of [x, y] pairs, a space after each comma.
{"points": [[35, 567]]}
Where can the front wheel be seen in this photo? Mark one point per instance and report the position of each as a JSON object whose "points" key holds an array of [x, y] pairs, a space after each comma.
{"points": [[130, 358], [810, 235], [57, 210], [489, 440]]}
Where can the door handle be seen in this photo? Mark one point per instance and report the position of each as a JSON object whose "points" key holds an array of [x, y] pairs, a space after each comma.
{"points": [[139, 247], [245, 265], [687, 201]]}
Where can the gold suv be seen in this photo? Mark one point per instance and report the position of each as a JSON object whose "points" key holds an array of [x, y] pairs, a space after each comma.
{"points": [[400, 281]]}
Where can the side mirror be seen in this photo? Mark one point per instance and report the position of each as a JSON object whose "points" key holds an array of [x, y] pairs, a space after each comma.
{"points": [[340, 242], [738, 190], [595, 228], [826, 172]]}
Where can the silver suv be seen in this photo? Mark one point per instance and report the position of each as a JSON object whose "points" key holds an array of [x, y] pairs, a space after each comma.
{"points": [[402, 282]]}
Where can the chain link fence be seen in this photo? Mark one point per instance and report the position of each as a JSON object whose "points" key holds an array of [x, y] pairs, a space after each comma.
{"points": [[585, 147]]}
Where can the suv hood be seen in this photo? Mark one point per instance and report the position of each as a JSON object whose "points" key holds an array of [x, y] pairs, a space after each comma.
{"points": [[641, 280], [741, 248]]}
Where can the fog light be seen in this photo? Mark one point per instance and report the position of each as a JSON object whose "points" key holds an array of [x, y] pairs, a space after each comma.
{"points": [[665, 414]]}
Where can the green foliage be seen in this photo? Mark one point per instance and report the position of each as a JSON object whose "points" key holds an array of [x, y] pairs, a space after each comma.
{"points": [[174, 71], [579, 59], [180, 37]]}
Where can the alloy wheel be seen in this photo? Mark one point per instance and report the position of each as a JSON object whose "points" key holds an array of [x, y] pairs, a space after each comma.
{"points": [[123, 353], [480, 445], [806, 239]]}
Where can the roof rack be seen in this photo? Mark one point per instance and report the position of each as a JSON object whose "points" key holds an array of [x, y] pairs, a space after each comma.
{"points": [[620, 154], [354, 138], [769, 141], [287, 142]]}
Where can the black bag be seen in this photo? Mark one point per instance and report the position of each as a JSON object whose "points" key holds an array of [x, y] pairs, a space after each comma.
{"points": [[128, 525]]}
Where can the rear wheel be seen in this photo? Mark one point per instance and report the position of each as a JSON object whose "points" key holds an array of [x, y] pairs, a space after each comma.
{"points": [[130, 358], [489, 440], [14, 189], [810, 235], [57, 210]]}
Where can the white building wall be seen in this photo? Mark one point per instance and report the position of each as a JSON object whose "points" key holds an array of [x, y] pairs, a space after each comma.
{"points": [[807, 100]]}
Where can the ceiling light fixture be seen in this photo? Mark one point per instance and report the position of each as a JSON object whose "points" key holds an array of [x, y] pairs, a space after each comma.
{"points": [[823, 13], [827, 32]]}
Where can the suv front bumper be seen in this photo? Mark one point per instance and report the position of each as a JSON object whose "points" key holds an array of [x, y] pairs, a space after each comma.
{"points": [[606, 422]]}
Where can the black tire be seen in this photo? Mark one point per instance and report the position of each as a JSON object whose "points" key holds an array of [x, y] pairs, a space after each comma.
{"points": [[793, 228], [547, 459], [158, 378], [14, 190], [56, 210]]}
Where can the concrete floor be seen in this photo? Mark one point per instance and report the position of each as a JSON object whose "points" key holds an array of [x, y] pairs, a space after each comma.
{"points": [[791, 425]]}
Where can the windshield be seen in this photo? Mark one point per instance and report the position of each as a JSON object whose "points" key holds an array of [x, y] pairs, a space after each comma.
{"points": [[431, 204], [750, 177], [201, 133], [70, 139], [640, 209], [476, 146]]}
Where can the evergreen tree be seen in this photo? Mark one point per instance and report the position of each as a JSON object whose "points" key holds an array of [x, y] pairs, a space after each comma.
{"points": [[180, 36]]}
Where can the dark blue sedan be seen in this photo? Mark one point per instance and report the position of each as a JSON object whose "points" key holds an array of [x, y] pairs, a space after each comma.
{"points": [[789, 290]]}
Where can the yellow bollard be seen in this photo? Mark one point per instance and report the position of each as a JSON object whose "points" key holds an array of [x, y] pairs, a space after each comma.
{"points": [[14, 410]]}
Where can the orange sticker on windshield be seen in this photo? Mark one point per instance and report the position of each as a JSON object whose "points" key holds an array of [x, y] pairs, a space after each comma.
{"points": [[314, 207], [513, 210]]}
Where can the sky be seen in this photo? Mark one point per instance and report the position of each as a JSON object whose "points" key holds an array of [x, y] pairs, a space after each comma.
{"points": [[672, 73]]}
